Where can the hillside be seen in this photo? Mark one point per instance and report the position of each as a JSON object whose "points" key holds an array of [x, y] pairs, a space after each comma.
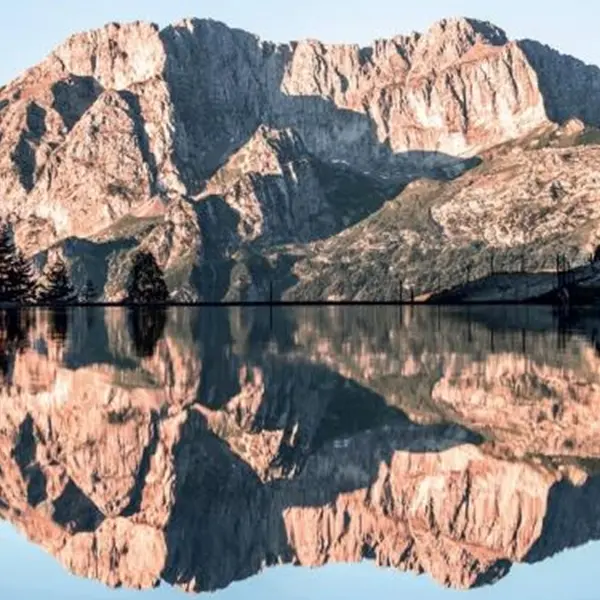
{"points": [[333, 171]]}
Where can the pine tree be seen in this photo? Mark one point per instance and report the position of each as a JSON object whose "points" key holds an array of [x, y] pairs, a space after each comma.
{"points": [[147, 284], [21, 278], [15, 271], [6, 260], [57, 288], [89, 292]]}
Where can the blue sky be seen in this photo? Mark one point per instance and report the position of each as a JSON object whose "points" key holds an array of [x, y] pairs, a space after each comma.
{"points": [[29, 29], [28, 573]]}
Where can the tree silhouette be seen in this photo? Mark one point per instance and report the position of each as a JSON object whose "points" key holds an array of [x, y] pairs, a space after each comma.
{"points": [[89, 292], [21, 278], [15, 271], [146, 283], [14, 336], [57, 288], [146, 327], [7, 253], [58, 321]]}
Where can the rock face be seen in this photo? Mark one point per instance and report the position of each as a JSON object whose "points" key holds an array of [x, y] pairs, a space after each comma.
{"points": [[276, 144], [204, 446], [509, 216]]}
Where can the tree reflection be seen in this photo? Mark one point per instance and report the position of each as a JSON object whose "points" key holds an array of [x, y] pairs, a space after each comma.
{"points": [[15, 324], [58, 322], [146, 327]]}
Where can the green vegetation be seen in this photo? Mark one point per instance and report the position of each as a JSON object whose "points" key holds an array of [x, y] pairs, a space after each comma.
{"points": [[57, 287], [128, 227], [16, 281]]}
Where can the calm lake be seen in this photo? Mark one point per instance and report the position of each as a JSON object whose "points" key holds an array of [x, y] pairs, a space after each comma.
{"points": [[318, 452]]}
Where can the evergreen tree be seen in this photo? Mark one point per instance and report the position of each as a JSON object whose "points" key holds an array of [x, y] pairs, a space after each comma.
{"points": [[6, 260], [57, 288], [15, 271], [146, 283], [21, 278], [89, 292]]}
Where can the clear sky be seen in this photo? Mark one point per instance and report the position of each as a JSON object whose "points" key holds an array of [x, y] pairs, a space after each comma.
{"points": [[29, 29], [27, 573]]}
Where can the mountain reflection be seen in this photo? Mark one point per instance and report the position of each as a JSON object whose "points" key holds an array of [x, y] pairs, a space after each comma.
{"points": [[197, 446]]}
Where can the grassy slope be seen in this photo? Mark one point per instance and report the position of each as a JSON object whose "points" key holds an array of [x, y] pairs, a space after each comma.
{"points": [[405, 242]]}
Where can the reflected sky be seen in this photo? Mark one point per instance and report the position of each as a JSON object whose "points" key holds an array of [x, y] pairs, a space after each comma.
{"points": [[28, 573]]}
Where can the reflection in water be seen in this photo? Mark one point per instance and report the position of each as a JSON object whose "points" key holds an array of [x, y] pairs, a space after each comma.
{"points": [[198, 446], [146, 326], [14, 326], [58, 321]]}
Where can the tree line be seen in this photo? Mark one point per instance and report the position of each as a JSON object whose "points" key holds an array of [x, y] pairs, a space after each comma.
{"points": [[146, 283]]}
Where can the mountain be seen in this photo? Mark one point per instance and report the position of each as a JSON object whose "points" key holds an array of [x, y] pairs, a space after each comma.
{"points": [[207, 445], [330, 171]]}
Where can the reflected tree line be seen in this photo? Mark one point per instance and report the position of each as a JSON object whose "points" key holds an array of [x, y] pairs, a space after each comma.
{"points": [[21, 327], [15, 326], [18, 329]]}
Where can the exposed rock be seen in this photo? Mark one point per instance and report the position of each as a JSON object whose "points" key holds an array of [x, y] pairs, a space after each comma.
{"points": [[228, 446], [119, 123], [117, 56], [512, 214]]}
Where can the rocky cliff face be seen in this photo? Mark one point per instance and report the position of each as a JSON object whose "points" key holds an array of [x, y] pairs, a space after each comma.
{"points": [[202, 447], [511, 215], [272, 144]]}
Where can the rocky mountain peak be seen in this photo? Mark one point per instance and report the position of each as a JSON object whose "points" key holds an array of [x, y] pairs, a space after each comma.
{"points": [[117, 56], [471, 30], [272, 143], [449, 40]]}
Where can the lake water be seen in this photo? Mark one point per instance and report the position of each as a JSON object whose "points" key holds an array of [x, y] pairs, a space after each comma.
{"points": [[322, 452]]}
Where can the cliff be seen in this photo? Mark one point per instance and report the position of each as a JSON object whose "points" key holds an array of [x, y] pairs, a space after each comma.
{"points": [[280, 155]]}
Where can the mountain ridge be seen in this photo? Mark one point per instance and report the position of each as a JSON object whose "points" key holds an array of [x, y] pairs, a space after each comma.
{"points": [[128, 116]]}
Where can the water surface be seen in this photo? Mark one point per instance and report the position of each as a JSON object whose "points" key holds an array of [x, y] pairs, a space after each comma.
{"points": [[299, 452]]}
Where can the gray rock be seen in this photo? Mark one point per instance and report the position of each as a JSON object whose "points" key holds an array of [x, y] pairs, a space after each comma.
{"points": [[118, 124]]}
